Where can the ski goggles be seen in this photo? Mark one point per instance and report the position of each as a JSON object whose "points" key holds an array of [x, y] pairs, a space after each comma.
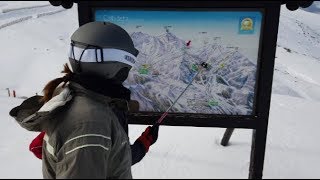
{"points": [[90, 53]]}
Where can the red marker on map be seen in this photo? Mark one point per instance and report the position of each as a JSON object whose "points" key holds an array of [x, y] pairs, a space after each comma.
{"points": [[188, 43]]}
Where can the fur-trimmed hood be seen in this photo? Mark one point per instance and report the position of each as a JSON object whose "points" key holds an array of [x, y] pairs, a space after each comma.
{"points": [[33, 114]]}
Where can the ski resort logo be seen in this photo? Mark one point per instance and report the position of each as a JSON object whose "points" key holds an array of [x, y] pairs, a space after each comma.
{"points": [[246, 25]]}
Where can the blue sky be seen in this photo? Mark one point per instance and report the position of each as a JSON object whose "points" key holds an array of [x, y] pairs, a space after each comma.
{"points": [[187, 25], [204, 20]]}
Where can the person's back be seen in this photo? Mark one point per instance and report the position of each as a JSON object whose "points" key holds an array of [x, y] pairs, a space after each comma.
{"points": [[83, 138], [87, 123]]}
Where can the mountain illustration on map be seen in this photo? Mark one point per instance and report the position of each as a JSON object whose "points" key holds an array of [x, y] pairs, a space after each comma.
{"points": [[166, 64]]}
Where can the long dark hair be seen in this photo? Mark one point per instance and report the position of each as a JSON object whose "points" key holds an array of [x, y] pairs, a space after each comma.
{"points": [[48, 90]]}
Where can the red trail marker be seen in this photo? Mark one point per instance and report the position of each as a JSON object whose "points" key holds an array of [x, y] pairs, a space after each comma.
{"points": [[188, 43]]}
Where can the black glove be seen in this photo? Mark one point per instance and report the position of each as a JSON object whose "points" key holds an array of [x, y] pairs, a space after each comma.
{"points": [[149, 136]]}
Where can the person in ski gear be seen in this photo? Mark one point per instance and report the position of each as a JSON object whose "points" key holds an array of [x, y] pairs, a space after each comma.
{"points": [[82, 116]]}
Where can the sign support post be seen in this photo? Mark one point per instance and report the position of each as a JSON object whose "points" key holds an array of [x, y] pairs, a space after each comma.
{"points": [[259, 137]]}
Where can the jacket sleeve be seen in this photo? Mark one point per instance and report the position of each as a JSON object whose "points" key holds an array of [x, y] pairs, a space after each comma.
{"points": [[85, 154], [137, 151]]}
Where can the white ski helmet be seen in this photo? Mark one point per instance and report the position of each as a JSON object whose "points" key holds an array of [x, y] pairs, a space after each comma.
{"points": [[103, 49]]}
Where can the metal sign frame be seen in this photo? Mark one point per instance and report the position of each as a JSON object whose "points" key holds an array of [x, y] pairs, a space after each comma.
{"points": [[259, 121]]}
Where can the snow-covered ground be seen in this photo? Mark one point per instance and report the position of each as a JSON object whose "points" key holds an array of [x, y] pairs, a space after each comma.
{"points": [[305, 27], [33, 51]]}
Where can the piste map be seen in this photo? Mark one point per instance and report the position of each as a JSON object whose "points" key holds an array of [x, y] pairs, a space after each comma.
{"points": [[172, 46]]}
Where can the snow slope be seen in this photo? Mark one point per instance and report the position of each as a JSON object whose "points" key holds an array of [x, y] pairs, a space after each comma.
{"points": [[296, 75], [298, 57], [300, 32], [7, 6], [33, 51]]}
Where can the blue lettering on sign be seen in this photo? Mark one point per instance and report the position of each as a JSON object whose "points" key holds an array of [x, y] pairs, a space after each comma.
{"points": [[130, 59]]}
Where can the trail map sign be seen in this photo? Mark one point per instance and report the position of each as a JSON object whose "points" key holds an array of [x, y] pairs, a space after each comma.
{"points": [[172, 49], [237, 40], [234, 40]]}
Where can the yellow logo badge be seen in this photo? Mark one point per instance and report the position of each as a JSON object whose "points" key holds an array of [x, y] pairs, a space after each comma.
{"points": [[247, 24]]}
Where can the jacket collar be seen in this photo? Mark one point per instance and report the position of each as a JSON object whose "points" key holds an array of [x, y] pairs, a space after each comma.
{"points": [[34, 115]]}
